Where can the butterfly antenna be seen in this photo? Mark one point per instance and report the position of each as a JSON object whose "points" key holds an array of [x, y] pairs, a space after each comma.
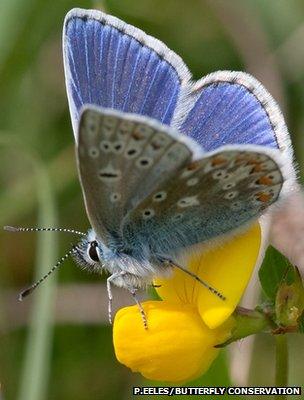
{"points": [[197, 278], [20, 229], [30, 289]]}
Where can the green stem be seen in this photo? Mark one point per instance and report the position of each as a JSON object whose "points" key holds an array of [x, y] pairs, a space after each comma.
{"points": [[247, 322], [281, 363]]}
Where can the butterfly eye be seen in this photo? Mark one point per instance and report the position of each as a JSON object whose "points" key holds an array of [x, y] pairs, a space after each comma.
{"points": [[93, 251]]}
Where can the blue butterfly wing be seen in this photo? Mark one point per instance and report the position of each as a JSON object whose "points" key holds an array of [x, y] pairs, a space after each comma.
{"points": [[112, 64], [208, 198], [231, 108]]}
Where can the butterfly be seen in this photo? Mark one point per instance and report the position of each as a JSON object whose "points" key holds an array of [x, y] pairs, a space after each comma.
{"points": [[164, 163]]}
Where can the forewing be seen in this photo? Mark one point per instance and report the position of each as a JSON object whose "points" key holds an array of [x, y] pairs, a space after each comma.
{"points": [[206, 199], [121, 159], [112, 64]]}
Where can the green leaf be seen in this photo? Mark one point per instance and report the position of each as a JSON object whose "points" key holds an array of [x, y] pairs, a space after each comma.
{"points": [[273, 270]]}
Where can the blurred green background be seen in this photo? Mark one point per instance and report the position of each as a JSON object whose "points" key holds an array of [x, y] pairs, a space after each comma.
{"points": [[57, 344]]}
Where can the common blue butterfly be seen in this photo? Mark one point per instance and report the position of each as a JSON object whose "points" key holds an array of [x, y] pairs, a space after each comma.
{"points": [[164, 162]]}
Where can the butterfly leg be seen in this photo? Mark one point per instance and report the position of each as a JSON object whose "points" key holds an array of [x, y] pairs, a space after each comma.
{"points": [[141, 309], [197, 278], [109, 290]]}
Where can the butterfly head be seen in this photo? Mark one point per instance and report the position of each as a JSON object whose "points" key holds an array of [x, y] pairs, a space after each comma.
{"points": [[89, 254]]}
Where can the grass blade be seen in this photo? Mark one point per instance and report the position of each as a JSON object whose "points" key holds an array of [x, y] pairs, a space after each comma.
{"points": [[34, 377]]}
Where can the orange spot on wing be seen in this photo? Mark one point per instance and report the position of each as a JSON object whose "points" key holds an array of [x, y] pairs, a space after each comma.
{"points": [[218, 160], [257, 168], [264, 180], [137, 136], [257, 165], [192, 166], [155, 146], [264, 197]]}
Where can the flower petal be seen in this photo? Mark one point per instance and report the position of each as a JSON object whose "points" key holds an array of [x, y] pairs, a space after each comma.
{"points": [[227, 268], [176, 347]]}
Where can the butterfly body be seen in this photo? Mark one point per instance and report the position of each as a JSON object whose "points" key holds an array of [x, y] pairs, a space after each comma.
{"points": [[134, 268]]}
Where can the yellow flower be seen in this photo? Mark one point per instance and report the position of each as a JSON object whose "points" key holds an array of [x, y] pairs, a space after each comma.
{"points": [[177, 346], [184, 328]]}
